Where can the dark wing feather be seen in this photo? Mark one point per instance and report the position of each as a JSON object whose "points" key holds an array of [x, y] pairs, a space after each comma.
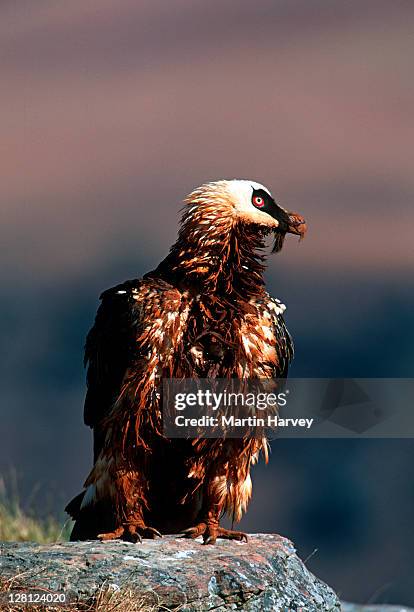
{"points": [[285, 348], [108, 351]]}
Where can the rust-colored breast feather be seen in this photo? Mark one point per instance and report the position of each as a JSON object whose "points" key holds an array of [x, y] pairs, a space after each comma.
{"points": [[148, 329]]}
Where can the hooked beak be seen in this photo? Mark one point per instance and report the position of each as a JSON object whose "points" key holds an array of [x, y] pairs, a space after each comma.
{"points": [[296, 225], [291, 223]]}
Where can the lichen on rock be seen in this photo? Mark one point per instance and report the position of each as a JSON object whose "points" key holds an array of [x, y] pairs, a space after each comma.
{"points": [[263, 574]]}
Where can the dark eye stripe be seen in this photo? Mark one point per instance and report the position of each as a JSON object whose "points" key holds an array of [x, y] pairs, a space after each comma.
{"points": [[264, 198]]}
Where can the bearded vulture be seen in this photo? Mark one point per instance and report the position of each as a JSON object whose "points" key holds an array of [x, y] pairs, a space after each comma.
{"points": [[203, 312]]}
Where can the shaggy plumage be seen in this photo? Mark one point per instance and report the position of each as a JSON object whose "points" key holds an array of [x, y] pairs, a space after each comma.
{"points": [[204, 312]]}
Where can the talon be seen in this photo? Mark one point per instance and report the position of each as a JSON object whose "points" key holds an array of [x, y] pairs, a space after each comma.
{"points": [[188, 532], [111, 535], [229, 534], [134, 537], [154, 532], [210, 532], [191, 534], [131, 533], [194, 532]]}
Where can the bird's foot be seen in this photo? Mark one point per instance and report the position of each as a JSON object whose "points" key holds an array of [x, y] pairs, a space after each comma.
{"points": [[232, 534], [211, 531], [131, 532]]}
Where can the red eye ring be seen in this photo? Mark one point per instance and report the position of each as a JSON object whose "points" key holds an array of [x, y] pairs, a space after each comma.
{"points": [[258, 201]]}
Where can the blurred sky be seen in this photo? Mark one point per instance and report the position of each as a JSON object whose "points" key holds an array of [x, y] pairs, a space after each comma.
{"points": [[111, 112]]}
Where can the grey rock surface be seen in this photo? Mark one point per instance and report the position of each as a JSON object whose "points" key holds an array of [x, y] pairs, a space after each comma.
{"points": [[349, 607], [264, 574]]}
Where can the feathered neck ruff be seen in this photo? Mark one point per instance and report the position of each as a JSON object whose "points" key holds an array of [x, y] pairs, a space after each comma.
{"points": [[215, 252]]}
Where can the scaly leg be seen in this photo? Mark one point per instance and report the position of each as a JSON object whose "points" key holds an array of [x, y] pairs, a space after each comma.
{"points": [[130, 501], [209, 525]]}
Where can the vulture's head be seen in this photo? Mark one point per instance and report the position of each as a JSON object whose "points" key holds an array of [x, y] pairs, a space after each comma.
{"points": [[244, 202]]}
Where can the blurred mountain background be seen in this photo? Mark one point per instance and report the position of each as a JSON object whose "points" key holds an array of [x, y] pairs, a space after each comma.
{"points": [[110, 113]]}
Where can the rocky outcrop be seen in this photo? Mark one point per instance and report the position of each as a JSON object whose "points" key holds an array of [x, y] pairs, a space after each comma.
{"points": [[169, 573], [349, 607]]}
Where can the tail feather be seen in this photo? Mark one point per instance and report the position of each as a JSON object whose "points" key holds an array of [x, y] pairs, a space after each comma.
{"points": [[90, 520], [73, 507]]}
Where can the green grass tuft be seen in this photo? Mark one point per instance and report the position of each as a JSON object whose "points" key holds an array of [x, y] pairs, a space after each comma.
{"points": [[18, 525]]}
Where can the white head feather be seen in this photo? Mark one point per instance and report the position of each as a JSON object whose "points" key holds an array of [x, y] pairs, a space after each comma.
{"points": [[241, 191]]}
